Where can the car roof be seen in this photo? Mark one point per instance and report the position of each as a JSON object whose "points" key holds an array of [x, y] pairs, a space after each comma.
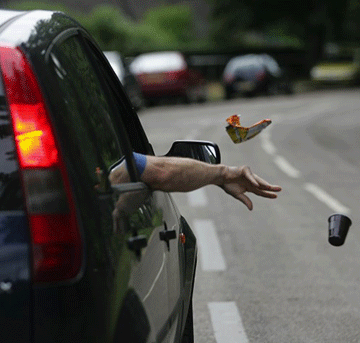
{"points": [[6, 15], [243, 61], [258, 60], [158, 62], [32, 29], [245, 58]]}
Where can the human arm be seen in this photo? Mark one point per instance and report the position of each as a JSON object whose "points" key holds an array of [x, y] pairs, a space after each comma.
{"points": [[175, 174]]}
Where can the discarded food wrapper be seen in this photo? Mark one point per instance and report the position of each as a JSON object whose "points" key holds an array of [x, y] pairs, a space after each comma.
{"points": [[240, 133]]}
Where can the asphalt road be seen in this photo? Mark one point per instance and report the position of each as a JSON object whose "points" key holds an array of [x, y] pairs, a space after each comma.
{"points": [[270, 275]]}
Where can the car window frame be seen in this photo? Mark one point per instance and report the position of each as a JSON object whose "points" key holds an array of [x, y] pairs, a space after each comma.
{"points": [[127, 120], [91, 48], [56, 47]]}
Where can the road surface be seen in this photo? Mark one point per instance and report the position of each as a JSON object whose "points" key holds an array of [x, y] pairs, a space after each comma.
{"points": [[270, 275]]}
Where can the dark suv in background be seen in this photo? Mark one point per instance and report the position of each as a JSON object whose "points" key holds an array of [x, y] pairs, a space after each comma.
{"points": [[82, 260], [254, 74]]}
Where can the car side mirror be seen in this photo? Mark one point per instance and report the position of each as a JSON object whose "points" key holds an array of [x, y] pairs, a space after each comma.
{"points": [[203, 151]]}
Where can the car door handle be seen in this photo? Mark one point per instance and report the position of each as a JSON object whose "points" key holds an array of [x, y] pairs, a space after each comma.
{"points": [[137, 243], [166, 235]]}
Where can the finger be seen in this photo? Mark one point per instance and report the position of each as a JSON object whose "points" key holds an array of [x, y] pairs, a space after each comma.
{"points": [[246, 201], [266, 185], [250, 176], [264, 194]]}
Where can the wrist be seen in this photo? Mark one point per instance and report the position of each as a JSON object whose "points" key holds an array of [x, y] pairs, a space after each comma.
{"points": [[222, 174]]}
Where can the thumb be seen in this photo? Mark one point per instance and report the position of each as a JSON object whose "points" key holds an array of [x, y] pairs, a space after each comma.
{"points": [[246, 201]]}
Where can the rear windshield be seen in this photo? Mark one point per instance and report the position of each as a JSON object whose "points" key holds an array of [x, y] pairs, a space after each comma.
{"points": [[10, 188]]}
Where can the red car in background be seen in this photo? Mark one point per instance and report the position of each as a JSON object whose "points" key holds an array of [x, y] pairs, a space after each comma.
{"points": [[166, 74]]}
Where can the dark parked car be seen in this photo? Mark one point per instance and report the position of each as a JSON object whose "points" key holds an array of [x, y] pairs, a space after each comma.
{"points": [[127, 78], [253, 74], [82, 260], [167, 74]]}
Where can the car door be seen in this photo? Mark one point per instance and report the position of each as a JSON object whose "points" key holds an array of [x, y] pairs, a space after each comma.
{"points": [[171, 222], [144, 220], [130, 259], [164, 241]]}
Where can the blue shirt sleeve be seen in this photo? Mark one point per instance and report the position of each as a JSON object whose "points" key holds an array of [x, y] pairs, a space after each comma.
{"points": [[140, 162]]}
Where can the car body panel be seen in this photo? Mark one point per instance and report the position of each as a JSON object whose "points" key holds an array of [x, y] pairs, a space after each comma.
{"points": [[15, 283]]}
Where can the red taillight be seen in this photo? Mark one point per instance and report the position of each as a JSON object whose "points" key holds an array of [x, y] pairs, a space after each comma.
{"points": [[141, 78], [56, 240], [229, 78], [34, 138], [261, 75], [173, 76]]}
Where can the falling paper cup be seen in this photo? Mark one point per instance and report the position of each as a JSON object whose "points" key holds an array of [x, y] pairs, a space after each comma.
{"points": [[338, 228]]}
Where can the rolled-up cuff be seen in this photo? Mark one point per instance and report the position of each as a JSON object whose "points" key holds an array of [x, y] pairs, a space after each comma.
{"points": [[140, 162]]}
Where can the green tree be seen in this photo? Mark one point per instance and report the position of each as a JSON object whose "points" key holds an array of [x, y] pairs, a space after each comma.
{"points": [[167, 27], [109, 26], [174, 20], [229, 18], [34, 5], [313, 23], [352, 21], [292, 17]]}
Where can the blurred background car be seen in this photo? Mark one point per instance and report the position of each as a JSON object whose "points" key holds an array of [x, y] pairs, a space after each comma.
{"points": [[253, 74], [127, 78], [168, 75], [337, 70]]}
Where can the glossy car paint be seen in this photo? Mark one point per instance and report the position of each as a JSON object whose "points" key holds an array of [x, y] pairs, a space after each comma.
{"points": [[121, 293]]}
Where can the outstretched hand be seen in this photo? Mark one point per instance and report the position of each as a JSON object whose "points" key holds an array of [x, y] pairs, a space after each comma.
{"points": [[239, 180]]}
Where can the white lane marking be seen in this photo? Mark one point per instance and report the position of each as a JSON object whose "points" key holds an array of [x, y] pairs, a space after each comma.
{"points": [[326, 198], [286, 167], [280, 161], [211, 256], [227, 323], [198, 198], [267, 145], [291, 171]]}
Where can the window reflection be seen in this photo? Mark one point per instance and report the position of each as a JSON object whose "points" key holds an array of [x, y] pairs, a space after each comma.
{"points": [[86, 117]]}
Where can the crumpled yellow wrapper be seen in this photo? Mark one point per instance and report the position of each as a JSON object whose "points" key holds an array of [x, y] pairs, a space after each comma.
{"points": [[240, 133]]}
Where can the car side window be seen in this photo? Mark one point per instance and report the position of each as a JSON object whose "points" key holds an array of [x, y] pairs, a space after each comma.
{"points": [[87, 115], [124, 114]]}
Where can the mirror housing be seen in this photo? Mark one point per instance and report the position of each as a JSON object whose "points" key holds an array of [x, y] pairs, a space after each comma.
{"points": [[204, 151]]}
